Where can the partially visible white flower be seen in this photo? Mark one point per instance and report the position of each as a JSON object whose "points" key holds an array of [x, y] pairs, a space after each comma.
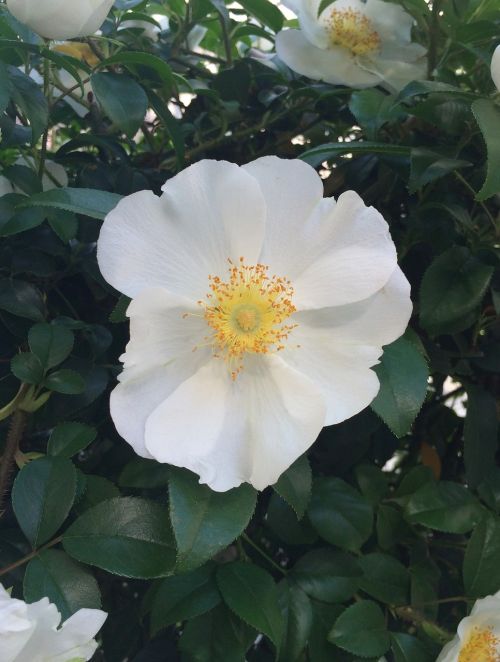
{"points": [[495, 67], [353, 43], [5, 186], [478, 635], [31, 632], [54, 177], [286, 296], [149, 30], [61, 19]]}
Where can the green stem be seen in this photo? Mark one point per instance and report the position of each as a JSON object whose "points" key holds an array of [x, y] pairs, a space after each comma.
{"points": [[248, 540], [227, 41], [45, 137], [433, 38], [14, 436]]}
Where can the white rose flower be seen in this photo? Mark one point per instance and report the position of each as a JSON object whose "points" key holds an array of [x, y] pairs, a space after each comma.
{"points": [[353, 43], [5, 186], [286, 297], [29, 632], [61, 19], [495, 67], [478, 635]]}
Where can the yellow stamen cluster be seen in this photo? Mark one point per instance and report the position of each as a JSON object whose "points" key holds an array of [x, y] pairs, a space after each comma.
{"points": [[352, 30], [481, 646], [248, 313]]}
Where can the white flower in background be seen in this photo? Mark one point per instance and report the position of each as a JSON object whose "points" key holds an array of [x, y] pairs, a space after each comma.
{"points": [[150, 30], [258, 311], [5, 186], [495, 67], [478, 635], [31, 632], [54, 177], [61, 19], [353, 43]]}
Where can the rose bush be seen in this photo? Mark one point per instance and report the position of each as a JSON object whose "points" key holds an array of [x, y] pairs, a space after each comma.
{"points": [[249, 355]]}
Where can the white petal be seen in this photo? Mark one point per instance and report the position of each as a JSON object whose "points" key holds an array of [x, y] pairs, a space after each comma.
{"points": [[41, 643], [450, 652], [208, 213], [75, 639], [351, 257], [133, 400], [251, 429], [342, 372], [495, 67], [390, 20], [395, 74], [292, 190], [15, 626], [378, 320], [163, 326], [333, 65], [307, 13]]}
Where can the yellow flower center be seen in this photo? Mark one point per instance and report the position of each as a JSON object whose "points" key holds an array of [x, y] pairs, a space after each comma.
{"points": [[78, 50], [247, 313], [481, 646], [353, 30]]}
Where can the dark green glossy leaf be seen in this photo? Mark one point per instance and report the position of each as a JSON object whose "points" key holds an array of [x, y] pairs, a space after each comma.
{"points": [[67, 439], [42, 496], [385, 578], [67, 584], [298, 616], [204, 521], [27, 368], [480, 434], [487, 116], [361, 630], [327, 575], [50, 343], [126, 536], [403, 377], [295, 485], [252, 594], [95, 204], [122, 99], [65, 381], [481, 569]]}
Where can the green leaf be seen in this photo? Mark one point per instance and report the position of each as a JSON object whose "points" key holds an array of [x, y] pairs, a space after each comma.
{"points": [[372, 482], [65, 381], [319, 648], [295, 485], [67, 584], [481, 569], [21, 299], [265, 12], [172, 125], [64, 223], [184, 597], [340, 514], [144, 474], [67, 439], [97, 489], [42, 496], [385, 579], [480, 434], [50, 343], [125, 536], [26, 94], [361, 630], [122, 99], [328, 151], [217, 636], [27, 368], [133, 58], [403, 375], [487, 116], [452, 288], [283, 522], [203, 521], [408, 649], [89, 202], [252, 594], [327, 575], [444, 506], [5, 87], [298, 617], [372, 109], [427, 166]]}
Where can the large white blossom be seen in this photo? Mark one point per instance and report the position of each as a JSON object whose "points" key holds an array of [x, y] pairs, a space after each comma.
{"points": [[354, 43], [478, 635], [61, 19], [31, 632], [258, 311], [495, 67]]}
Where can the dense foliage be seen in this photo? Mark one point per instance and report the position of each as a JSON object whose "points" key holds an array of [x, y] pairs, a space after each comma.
{"points": [[379, 540]]}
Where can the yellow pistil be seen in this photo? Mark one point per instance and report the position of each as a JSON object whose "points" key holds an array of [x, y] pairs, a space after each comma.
{"points": [[247, 313], [352, 30], [78, 50], [481, 646]]}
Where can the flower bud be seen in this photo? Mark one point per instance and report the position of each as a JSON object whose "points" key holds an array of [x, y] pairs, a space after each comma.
{"points": [[61, 19], [495, 67]]}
